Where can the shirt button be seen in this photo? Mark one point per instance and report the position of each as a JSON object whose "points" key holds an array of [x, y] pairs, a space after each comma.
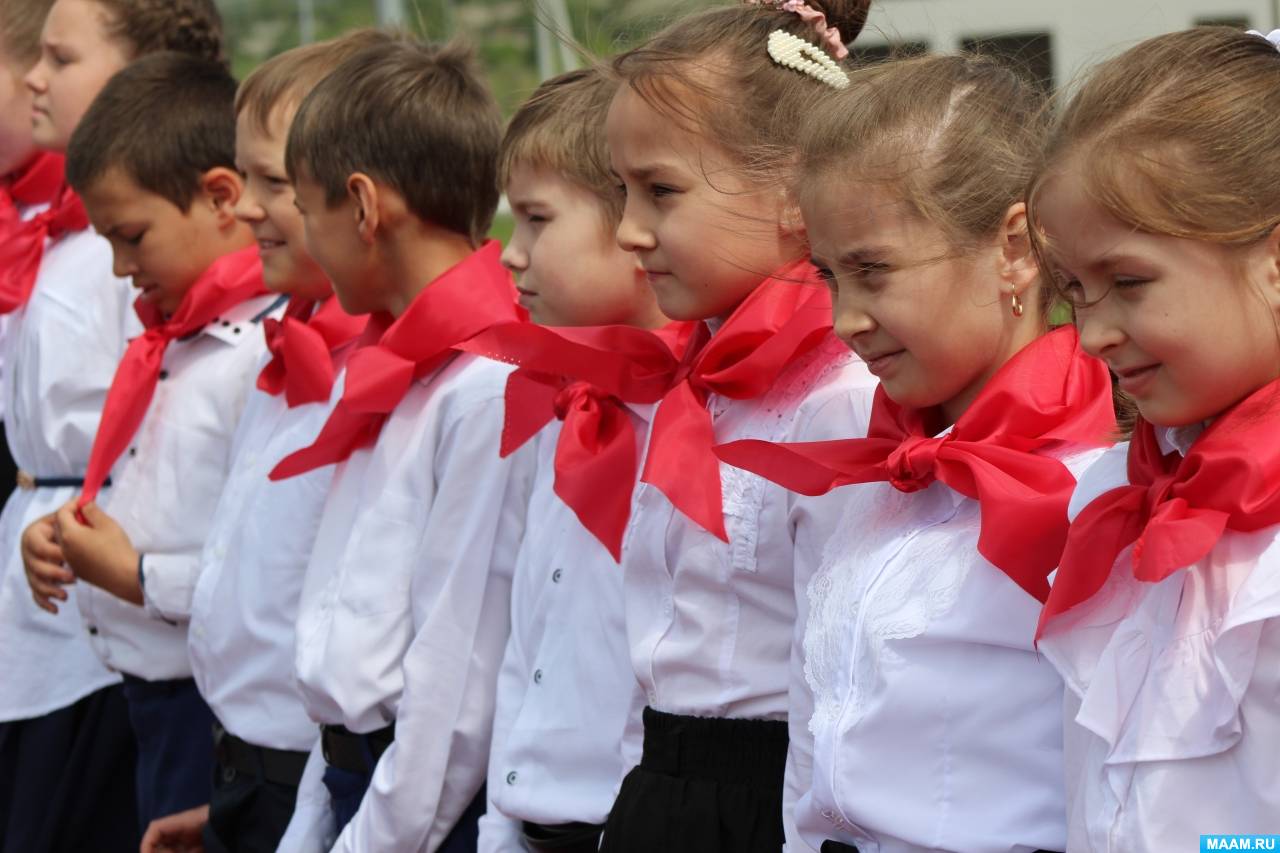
{"points": [[667, 606], [556, 576], [228, 774], [93, 630], [511, 778], [133, 451], [236, 330], [537, 676], [164, 374]]}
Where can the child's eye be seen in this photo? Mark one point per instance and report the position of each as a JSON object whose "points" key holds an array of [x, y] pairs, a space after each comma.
{"points": [[135, 239], [278, 183], [1130, 283], [661, 190], [538, 218], [827, 276], [870, 269]]}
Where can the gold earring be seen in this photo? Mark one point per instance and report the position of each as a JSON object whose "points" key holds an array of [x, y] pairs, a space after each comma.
{"points": [[1015, 303]]}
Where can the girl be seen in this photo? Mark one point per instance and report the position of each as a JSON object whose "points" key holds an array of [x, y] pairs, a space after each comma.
{"points": [[699, 135], [1160, 203], [917, 647]]}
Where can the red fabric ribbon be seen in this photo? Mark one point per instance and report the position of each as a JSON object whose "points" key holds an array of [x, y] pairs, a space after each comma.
{"points": [[784, 318], [1176, 508], [466, 300], [301, 346], [229, 281], [22, 243], [1050, 393], [596, 457]]}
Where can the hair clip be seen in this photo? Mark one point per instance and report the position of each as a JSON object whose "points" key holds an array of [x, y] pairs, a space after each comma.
{"points": [[791, 51], [830, 38], [1273, 37]]}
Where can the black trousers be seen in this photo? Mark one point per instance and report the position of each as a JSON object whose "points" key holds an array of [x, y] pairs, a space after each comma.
{"points": [[247, 813], [66, 780], [703, 786]]}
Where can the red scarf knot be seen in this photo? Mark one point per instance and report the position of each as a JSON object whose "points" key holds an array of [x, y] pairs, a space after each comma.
{"points": [[228, 282], [302, 346], [1049, 395], [466, 300], [22, 243]]}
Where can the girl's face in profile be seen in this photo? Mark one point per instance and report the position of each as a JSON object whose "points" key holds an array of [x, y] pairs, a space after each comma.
{"points": [[1188, 326]]}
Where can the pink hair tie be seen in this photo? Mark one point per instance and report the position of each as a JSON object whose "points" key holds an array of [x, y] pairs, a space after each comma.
{"points": [[830, 38]]}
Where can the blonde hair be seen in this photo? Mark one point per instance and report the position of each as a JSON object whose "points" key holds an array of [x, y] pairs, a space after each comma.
{"points": [[20, 24], [561, 129], [280, 83], [1178, 136], [956, 138], [711, 74]]}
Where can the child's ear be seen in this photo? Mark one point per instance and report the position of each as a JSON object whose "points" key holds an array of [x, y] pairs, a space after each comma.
{"points": [[222, 188], [1269, 263], [790, 222], [1017, 261], [364, 196]]}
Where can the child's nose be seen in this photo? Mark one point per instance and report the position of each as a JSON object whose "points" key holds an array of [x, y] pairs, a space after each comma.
{"points": [[514, 257]]}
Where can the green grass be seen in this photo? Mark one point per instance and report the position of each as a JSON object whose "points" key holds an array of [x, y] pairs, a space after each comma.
{"points": [[503, 225]]}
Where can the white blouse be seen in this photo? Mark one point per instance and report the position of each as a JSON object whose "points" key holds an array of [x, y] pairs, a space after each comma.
{"points": [[933, 723], [166, 487], [404, 613], [60, 352], [566, 693], [1173, 700]]}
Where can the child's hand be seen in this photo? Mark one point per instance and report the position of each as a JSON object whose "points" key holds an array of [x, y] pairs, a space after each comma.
{"points": [[177, 833], [99, 552], [42, 559]]}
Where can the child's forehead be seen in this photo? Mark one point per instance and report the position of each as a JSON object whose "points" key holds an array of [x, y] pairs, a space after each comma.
{"points": [[77, 23]]}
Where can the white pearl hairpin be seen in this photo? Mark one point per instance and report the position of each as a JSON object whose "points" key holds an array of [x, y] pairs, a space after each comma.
{"points": [[791, 51]]}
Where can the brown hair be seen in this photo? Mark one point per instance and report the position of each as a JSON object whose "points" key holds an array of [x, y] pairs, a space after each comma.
{"points": [[20, 24], [280, 83], [184, 103], [414, 116], [711, 74], [1178, 136], [185, 26], [957, 138], [561, 129]]}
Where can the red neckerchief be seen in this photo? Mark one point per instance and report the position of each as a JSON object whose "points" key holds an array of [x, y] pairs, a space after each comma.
{"points": [[783, 319], [1050, 393], [394, 352], [584, 377], [22, 243], [302, 345], [1176, 508], [228, 282]]}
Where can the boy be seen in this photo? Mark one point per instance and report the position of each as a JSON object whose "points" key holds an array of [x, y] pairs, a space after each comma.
{"points": [[245, 605], [65, 742], [566, 691], [164, 200], [403, 614]]}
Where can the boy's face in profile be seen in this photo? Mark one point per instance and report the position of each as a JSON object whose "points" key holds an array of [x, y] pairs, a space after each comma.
{"points": [[333, 240], [16, 145], [267, 206], [568, 267], [161, 247], [78, 56]]}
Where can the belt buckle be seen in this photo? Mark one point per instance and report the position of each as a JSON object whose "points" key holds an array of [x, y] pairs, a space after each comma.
{"points": [[26, 482]]}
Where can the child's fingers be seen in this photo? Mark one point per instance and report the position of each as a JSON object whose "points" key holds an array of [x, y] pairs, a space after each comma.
{"points": [[43, 549], [43, 600], [49, 572]]}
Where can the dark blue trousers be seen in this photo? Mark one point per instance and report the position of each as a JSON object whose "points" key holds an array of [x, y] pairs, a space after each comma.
{"points": [[174, 729], [66, 780], [347, 789]]}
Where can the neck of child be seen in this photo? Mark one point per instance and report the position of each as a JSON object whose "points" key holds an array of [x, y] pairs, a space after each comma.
{"points": [[1020, 333], [416, 257]]}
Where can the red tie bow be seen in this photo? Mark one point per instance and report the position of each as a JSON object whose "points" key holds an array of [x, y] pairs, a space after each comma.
{"points": [[22, 243], [1050, 394], [394, 352], [1176, 508], [230, 281], [302, 344], [596, 457]]}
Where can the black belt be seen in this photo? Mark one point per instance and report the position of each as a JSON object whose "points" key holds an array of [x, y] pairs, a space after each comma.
{"points": [[346, 750], [562, 837], [30, 482], [837, 847], [234, 755]]}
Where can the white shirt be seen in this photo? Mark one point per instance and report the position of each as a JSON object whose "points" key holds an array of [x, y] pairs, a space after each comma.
{"points": [[1173, 699], [166, 487], [933, 723], [405, 608], [60, 352], [710, 623], [566, 692], [245, 607]]}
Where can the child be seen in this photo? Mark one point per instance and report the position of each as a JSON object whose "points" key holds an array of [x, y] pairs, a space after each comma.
{"points": [[245, 604], [1160, 203], [404, 610], [917, 643], [699, 135], [164, 200], [565, 691], [66, 756]]}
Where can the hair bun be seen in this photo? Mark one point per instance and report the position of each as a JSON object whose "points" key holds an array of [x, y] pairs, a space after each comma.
{"points": [[849, 16]]}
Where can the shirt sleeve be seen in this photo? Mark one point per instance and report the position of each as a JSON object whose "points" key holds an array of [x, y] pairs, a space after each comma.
{"points": [[461, 603], [499, 833], [168, 583], [311, 827]]}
